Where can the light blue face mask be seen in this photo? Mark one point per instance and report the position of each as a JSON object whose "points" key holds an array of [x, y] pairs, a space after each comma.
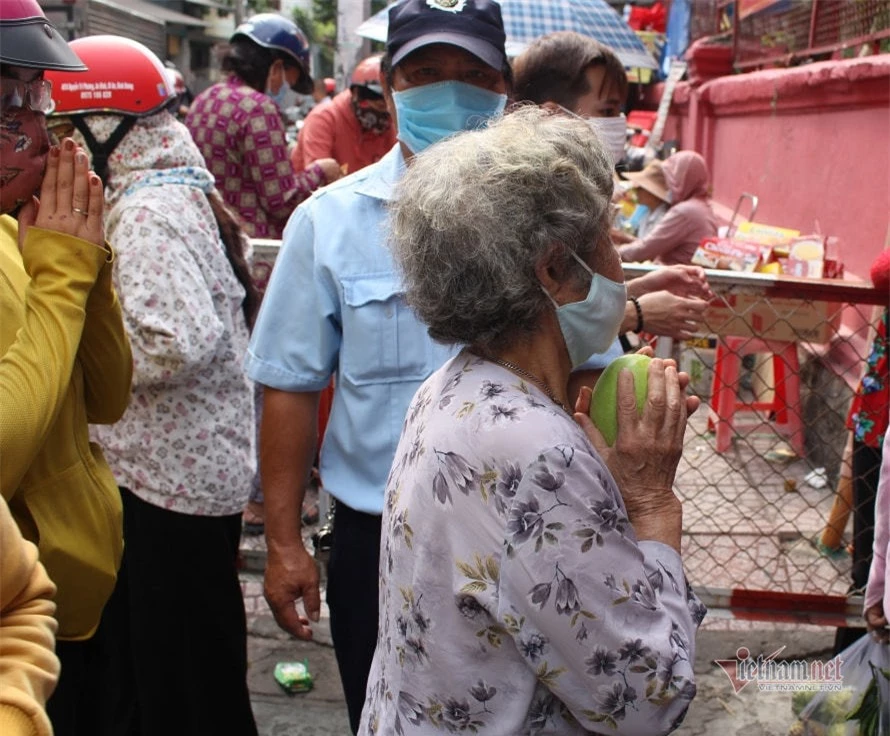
{"points": [[429, 113], [589, 327], [279, 99]]}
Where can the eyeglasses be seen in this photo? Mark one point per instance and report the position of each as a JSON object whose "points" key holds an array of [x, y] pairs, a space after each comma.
{"points": [[36, 95]]}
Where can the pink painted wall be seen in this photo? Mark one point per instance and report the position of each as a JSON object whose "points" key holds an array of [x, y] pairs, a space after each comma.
{"points": [[812, 142]]}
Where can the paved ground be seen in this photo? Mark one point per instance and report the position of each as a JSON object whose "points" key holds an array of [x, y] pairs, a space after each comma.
{"points": [[715, 710]]}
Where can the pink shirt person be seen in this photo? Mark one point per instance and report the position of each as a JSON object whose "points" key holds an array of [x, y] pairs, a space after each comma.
{"points": [[689, 220]]}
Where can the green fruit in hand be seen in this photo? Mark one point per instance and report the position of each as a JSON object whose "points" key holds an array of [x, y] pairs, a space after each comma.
{"points": [[604, 401]]}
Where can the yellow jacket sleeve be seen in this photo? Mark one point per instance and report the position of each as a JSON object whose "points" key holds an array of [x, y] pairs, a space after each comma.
{"points": [[29, 668], [105, 353], [39, 337]]}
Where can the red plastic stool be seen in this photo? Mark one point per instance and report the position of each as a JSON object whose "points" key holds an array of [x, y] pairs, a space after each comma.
{"points": [[785, 407]]}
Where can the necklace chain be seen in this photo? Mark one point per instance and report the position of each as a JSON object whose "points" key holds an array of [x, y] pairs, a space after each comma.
{"points": [[534, 379]]}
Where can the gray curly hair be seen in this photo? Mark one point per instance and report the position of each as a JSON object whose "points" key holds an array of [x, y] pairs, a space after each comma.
{"points": [[475, 214]]}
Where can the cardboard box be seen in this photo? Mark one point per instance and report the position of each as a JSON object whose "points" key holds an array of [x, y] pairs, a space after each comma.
{"points": [[757, 232], [787, 319], [729, 254]]}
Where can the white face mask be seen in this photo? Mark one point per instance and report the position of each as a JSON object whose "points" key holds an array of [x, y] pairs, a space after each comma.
{"points": [[612, 133]]}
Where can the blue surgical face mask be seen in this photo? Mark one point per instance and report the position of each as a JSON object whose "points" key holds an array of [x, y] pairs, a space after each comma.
{"points": [[279, 99], [589, 327], [429, 113]]}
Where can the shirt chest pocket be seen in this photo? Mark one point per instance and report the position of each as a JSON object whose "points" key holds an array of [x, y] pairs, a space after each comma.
{"points": [[383, 341]]}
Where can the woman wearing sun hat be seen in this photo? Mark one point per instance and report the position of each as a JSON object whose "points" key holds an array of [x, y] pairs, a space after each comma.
{"points": [[688, 220], [651, 192]]}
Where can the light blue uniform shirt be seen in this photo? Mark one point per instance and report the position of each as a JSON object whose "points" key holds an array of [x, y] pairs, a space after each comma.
{"points": [[335, 305], [598, 361]]}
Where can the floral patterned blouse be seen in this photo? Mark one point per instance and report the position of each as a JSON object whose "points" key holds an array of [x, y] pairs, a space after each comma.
{"points": [[870, 410], [514, 597], [240, 134], [187, 441]]}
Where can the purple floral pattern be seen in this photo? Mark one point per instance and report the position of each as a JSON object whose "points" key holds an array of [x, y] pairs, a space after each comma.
{"points": [[518, 600]]}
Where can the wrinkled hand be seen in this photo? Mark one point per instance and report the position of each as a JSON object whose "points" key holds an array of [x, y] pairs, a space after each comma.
{"points": [[291, 575], [72, 199], [330, 168], [670, 315], [680, 280], [876, 623], [646, 452]]}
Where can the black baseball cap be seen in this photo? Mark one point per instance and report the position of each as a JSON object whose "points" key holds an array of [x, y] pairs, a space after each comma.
{"points": [[473, 25]]}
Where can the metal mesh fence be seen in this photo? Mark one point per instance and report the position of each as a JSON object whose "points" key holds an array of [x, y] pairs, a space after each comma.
{"points": [[776, 369], [788, 31]]}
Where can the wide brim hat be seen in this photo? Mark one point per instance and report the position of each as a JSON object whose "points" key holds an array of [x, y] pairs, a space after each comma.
{"points": [[651, 179]]}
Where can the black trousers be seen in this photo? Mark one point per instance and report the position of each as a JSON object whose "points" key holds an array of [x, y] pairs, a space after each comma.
{"points": [[74, 706], [352, 598], [866, 472], [173, 637]]}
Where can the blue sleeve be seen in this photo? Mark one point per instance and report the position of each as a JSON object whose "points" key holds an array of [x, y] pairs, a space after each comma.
{"points": [[296, 340], [598, 361]]}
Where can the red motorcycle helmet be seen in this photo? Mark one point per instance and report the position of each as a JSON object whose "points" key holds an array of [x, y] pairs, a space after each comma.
{"points": [[367, 74], [175, 78], [124, 78], [28, 39]]}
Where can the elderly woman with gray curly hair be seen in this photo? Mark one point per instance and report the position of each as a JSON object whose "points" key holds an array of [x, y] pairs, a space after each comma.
{"points": [[531, 579]]}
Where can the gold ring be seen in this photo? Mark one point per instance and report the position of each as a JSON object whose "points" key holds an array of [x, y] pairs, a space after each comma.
{"points": [[80, 211]]}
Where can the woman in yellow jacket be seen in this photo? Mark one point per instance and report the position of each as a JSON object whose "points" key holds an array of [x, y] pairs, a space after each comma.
{"points": [[28, 666], [64, 356]]}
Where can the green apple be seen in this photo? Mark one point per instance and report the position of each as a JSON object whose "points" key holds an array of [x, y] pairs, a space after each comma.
{"points": [[604, 401]]}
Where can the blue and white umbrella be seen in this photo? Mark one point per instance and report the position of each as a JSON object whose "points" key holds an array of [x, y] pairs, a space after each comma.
{"points": [[526, 20]]}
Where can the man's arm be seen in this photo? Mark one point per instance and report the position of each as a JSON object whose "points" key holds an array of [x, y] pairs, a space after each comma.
{"points": [[288, 439]]}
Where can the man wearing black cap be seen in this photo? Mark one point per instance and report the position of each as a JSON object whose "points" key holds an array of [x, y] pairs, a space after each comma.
{"points": [[335, 306]]}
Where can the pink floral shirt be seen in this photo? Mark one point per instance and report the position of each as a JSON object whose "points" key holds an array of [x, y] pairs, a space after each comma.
{"points": [[240, 134]]}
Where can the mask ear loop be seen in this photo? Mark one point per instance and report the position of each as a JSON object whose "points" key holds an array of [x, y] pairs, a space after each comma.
{"points": [[580, 260], [101, 151]]}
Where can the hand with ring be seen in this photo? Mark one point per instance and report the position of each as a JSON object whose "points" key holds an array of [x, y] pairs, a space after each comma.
{"points": [[72, 198]]}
